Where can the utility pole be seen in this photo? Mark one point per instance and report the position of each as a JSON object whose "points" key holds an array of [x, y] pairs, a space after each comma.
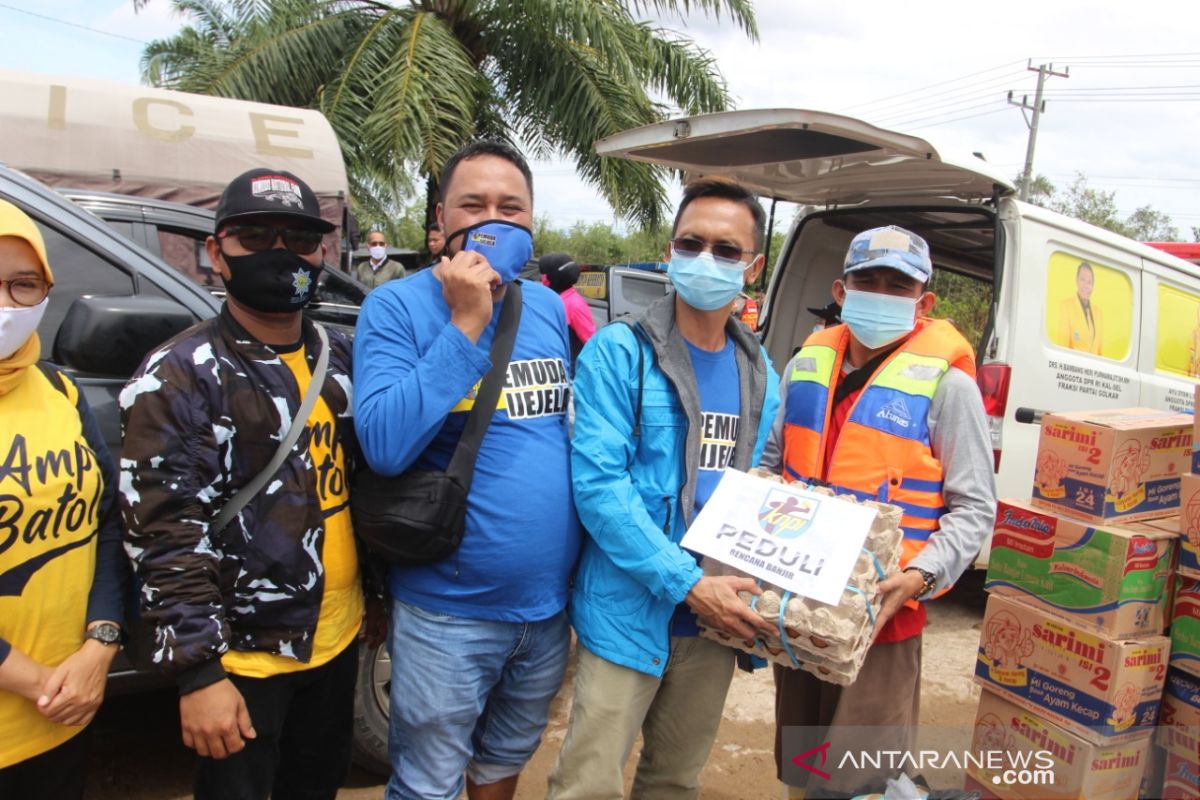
{"points": [[1039, 105]]}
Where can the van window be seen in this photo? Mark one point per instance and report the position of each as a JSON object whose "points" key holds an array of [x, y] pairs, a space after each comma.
{"points": [[185, 252], [1177, 341], [1089, 306]]}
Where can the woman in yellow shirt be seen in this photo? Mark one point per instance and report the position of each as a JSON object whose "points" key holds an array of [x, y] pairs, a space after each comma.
{"points": [[63, 572]]}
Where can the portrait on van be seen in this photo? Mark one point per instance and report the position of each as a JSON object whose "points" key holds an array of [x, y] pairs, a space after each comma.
{"points": [[1177, 332], [1089, 307]]}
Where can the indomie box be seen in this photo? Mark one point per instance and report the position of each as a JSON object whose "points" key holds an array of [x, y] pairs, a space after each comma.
{"points": [[1106, 578], [1098, 688], [1017, 753], [1185, 626], [1113, 464], [1181, 778]]}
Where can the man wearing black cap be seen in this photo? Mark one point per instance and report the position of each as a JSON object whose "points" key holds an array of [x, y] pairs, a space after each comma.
{"points": [[256, 616]]}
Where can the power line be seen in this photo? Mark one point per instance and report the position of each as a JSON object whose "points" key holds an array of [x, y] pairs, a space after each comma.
{"points": [[932, 86], [71, 24], [948, 101]]}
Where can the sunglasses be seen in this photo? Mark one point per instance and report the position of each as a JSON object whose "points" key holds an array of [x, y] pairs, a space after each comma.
{"points": [[257, 238], [27, 291], [728, 253]]}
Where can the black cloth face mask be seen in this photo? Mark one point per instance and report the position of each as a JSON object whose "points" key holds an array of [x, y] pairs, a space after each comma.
{"points": [[273, 281]]}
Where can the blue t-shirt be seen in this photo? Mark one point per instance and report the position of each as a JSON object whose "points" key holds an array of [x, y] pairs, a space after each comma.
{"points": [[415, 380], [720, 411]]}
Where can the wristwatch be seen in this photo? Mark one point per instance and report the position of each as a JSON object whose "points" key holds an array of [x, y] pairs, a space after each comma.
{"points": [[929, 578], [105, 633]]}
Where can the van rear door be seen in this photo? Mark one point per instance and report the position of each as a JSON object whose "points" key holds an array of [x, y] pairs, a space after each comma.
{"points": [[807, 157]]}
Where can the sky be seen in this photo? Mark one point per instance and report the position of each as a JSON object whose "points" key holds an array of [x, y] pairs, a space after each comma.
{"points": [[1126, 117]]}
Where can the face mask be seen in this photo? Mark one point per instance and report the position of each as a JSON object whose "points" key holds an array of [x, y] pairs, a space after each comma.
{"points": [[878, 319], [17, 325], [507, 246], [377, 252], [702, 282], [272, 281]]}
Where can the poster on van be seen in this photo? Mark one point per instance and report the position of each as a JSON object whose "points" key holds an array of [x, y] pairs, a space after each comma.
{"points": [[1089, 307], [1177, 340]]}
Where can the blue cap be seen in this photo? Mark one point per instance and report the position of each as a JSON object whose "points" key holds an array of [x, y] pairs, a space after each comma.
{"points": [[891, 247]]}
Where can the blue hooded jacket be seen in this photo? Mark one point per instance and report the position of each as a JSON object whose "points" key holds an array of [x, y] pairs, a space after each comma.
{"points": [[635, 490]]}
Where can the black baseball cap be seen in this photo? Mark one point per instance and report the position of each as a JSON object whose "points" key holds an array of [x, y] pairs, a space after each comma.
{"points": [[270, 191]]}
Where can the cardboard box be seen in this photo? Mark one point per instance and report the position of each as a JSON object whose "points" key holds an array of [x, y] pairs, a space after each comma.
{"points": [[1185, 626], [1196, 431], [1053, 763], [1097, 688], [1181, 779], [1188, 525], [1117, 464], [1106, 578], [1179, 722]]}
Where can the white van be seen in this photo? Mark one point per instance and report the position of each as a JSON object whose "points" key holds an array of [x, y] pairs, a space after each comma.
{"points": [[1037, 350]]}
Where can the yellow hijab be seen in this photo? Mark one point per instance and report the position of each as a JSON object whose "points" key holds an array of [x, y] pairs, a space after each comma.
{"points": [[15, 222]]}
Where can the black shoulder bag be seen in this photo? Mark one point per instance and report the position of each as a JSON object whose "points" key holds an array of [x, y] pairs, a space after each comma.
{"points": [[418, 517]]}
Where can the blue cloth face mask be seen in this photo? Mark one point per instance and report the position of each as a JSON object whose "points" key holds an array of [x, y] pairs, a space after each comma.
{"points": [[878, 319], [507, 246], [702, 282]]}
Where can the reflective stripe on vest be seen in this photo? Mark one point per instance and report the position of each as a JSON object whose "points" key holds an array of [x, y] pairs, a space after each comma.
{"points": [[883, 450]]}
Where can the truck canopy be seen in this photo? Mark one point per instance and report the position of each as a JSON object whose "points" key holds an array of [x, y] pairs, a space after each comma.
{"points": [[138, 140]]}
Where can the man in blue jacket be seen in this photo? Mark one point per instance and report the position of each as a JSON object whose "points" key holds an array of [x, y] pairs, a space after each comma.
{"points": [[662, 406], [479, 640]]}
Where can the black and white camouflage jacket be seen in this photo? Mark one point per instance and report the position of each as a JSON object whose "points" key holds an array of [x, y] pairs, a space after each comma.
{"points": [[201, 417]]}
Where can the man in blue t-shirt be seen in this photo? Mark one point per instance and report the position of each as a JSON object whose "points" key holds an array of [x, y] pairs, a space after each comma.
{"points": [[479, 640], [662, 406]]}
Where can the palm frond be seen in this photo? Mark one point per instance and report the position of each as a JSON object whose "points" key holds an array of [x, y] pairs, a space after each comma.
{"points": [[740, 11]]}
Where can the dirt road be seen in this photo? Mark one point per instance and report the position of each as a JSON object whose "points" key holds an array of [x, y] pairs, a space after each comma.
{"points": [[137, 754]]}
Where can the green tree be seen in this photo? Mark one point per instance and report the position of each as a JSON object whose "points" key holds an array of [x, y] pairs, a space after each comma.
{"points": [[406, 84], [1100, 208]]}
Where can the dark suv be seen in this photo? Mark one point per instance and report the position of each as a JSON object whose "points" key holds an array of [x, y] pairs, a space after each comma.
{"points": [[115, 299], [175, 232]]}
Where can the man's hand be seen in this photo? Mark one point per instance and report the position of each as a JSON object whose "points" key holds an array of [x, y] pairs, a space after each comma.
{"points": [[715, 600], [896, 589], [75, 689], [375, 623], [467, 283], [215, 721]]}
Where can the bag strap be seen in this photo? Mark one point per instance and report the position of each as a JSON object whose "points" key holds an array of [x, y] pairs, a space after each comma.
{"points": [[462, 463], [637, 334], [251, 489]]}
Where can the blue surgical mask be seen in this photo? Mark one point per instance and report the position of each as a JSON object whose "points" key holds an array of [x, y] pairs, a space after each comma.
{"points": [[507, 246], [702, 282], [878, 319]]}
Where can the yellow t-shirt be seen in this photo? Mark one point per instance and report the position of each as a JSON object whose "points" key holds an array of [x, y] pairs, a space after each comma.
{"points": [[342, 601], [50, 487]]}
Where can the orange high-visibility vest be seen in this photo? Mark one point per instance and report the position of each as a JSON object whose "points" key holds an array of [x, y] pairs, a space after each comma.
{"points": [[883, 450]]}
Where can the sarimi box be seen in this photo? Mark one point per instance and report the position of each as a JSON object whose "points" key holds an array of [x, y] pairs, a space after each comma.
{"points": [[1117, 464], [1179, 723], [1100, 689], [1185, 626], [1107, 578], [1188, 525], [1058, 764]]}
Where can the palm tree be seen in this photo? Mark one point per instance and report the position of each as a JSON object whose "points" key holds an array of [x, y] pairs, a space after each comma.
{"points": [[406, 84]]}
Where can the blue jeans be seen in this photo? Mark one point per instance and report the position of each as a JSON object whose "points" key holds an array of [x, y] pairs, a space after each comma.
{"points": [[467, 695]]}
